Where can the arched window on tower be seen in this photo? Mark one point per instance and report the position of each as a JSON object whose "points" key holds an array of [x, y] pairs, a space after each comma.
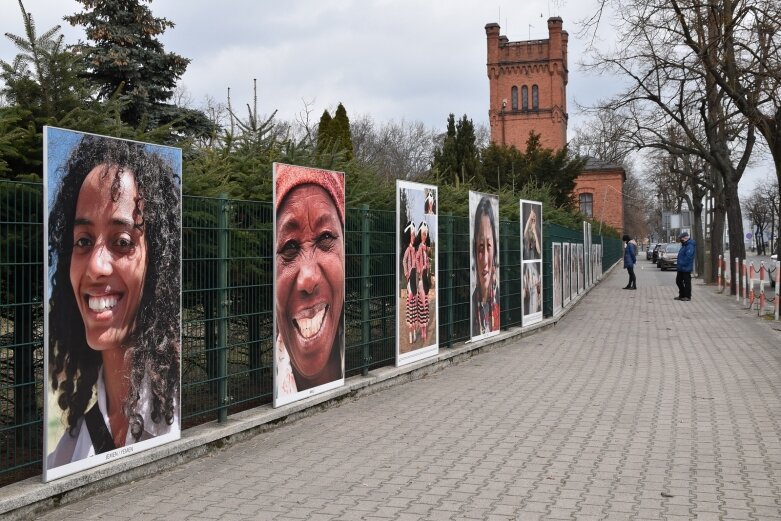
{"points": [[535, 98], [514, 97], [586, 201], [525, 97]]}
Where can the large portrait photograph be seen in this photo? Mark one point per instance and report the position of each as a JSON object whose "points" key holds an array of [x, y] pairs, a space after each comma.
{"points": [[484, 273], [531, 261], [599, 261], [566, 273], [589, 256], [574, 282], [556, 286], [112, 298], [531, 227], [532, 292], [417, 323], [309, 281], [586, 255]]}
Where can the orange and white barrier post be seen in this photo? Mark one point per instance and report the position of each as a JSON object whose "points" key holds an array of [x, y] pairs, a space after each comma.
{"points": [[719, 276], [778, 283], [744, 278], [761, 288], [736, 276], [750, 285], [726, 280]]}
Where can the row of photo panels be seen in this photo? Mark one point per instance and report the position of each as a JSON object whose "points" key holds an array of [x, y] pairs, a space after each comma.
{"points": [[571, 271], [113, 237]]}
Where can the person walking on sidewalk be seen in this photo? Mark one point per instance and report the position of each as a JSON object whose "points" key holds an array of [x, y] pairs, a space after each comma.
{"points": [[630, 259], [685, 267]]}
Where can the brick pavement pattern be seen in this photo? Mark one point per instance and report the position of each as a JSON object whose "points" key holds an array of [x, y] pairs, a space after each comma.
{"points": [[633, 407]]}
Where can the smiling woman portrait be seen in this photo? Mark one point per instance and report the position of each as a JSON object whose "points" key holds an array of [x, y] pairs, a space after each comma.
{"points": [[113, 318], [309, 265]]}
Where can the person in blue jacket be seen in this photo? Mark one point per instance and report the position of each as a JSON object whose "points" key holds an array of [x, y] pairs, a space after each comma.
{"points": [[685, 267], [630, 259]]}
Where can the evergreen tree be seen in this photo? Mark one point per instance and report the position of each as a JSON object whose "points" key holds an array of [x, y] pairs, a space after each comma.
{"points": [[325, 140], [340, 132], [458, 159], [334, 137], [445, 163], [501, 166], [125, 54], [555, 169], [42, 77], [42, 87], [466, 150]]}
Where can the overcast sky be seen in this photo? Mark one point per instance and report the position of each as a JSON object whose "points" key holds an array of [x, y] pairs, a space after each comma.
{"points": [[417, 60]]}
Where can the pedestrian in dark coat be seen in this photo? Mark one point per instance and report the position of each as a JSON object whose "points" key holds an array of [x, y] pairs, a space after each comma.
{"points": [[685, 267], [630, 259]]}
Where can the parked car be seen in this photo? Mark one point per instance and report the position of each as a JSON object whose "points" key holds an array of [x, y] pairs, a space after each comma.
{"points": [[655, 253], [649, 253], [668, 258]]}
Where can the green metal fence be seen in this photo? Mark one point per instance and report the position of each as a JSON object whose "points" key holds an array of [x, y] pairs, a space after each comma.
{"points": [[21, 327], [227, 305]]}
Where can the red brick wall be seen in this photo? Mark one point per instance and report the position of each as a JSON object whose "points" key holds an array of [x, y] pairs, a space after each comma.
{"points": [[606, 186]]}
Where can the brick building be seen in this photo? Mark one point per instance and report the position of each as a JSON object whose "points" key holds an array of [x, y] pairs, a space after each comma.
{"points": [[528, 92], [599, 192]]}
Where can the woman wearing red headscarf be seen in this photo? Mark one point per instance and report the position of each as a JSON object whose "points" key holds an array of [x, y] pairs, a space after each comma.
{"points": [[309, 287]]}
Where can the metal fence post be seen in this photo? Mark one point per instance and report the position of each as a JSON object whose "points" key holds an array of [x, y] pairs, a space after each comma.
{"points": [[224, 303], [365, 288], [450, 278], [504, 262]]}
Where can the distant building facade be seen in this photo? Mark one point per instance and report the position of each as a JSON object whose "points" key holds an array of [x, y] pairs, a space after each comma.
{"points": [[599, 192], [528, 92]]}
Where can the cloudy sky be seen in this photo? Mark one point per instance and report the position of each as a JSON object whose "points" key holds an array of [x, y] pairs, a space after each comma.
{"points": [[417, 60], [393, 59]]}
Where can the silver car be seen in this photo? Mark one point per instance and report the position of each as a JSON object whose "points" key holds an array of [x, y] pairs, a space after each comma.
{"points": [[668, 256]]}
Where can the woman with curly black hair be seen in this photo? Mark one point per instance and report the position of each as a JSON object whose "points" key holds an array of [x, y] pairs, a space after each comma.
{"points": [[114, 314]]}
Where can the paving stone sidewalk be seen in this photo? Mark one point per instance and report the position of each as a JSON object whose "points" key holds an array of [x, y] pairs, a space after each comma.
{"points": [[633, 407]]}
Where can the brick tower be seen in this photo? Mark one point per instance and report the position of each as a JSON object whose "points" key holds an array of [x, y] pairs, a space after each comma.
{"points": [[528, 92], [528, 87]]}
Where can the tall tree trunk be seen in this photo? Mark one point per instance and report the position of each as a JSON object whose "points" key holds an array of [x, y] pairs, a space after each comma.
{"points": [[717, 230], [776, 246], [737, 248], [698, 237], [698, 193]]}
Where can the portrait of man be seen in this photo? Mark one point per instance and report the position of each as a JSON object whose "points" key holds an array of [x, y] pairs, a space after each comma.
{"points": [[309, 281], [112, 306], [484, 283]]}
